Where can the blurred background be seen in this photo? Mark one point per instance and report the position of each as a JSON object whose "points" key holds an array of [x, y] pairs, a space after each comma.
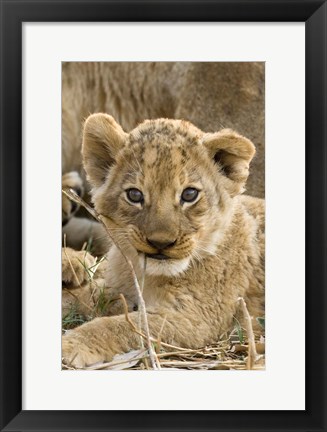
{"points": [[211, 95]]}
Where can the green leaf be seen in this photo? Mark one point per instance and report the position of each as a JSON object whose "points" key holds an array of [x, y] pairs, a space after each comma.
{"points": [[261, 321], [239, 330]]}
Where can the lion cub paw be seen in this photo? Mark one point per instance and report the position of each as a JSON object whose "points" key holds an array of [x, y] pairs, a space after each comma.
{"points": [[77, 354], [70, 180], [76, 267]]}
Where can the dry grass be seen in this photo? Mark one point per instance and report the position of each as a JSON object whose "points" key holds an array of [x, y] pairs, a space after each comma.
{"points": [[239, 350], [224, 355]]}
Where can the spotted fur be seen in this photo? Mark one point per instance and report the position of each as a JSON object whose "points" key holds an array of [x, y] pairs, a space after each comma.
{"points": [[215, 249]]}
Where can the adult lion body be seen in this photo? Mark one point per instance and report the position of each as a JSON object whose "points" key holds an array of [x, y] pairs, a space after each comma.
{"points": [[210, 95], [172, 193]]}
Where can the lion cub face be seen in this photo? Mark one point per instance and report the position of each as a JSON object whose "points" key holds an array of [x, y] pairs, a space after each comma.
{"points": [[167, 186]]}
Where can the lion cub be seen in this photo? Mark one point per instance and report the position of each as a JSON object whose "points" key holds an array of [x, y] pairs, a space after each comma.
{"points": [[171, 195]]}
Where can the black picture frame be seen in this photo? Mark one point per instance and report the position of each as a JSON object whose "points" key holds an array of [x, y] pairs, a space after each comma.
{"points": [[13, 14]]}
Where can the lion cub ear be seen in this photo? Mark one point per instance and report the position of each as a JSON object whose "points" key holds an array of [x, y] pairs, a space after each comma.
{"points": [[102, 140], [232, 153]]}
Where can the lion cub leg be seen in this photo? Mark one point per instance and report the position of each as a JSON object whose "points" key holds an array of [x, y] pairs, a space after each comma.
{"points": [[76, 267], [99, 340], [84, 288]]}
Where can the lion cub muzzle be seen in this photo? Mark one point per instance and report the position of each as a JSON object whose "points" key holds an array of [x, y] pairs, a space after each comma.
{"points": [[160, 245]]}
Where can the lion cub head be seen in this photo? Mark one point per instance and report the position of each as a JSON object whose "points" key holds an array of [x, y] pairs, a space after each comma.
{"points": [[168, 186]]}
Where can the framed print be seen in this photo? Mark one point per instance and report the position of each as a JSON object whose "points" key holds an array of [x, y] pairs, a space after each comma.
{"points": [[279, 51]]}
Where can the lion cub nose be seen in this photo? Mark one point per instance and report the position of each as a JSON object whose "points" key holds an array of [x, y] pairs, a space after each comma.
{"points": [[160, 244]]}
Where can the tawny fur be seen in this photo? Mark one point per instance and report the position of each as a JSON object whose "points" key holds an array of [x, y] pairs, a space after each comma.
{"points": [[211, 95], [216, 251]]}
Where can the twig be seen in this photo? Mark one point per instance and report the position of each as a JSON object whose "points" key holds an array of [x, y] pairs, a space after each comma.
{"points": [[190, 364], [134, 328], [70, 263], [252, 352], [115, 363], [130, 322], [160, 333], [71, 194], [140, 314], [79, 300], [179, 353]]}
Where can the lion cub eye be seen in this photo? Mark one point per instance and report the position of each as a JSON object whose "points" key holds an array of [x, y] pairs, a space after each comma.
{"points": [[135, 195], [189, 195]]}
